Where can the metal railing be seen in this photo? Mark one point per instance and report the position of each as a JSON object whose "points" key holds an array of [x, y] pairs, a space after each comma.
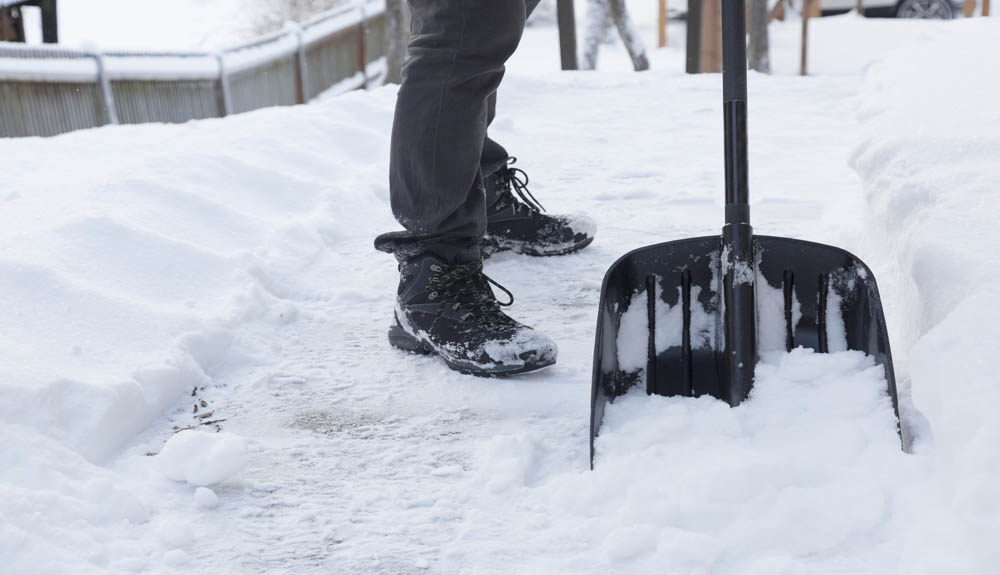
{"points": [[46, 90]]}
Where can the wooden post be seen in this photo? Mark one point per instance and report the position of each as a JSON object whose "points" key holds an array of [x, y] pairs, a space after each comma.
{"points": [[50, 24], [986, 7], [567, 34], [662, 41], [11, 24], [711, 36], [806, 9], [860, 7], [693, 59], [815, 11], [969, 8]]}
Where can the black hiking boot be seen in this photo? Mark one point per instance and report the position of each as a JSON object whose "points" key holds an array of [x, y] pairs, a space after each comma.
{"points": [[516, 222], [450, 310]]}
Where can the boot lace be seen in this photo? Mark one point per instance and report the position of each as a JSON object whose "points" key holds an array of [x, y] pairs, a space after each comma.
{"points": [[515, 181], [465, 286]]}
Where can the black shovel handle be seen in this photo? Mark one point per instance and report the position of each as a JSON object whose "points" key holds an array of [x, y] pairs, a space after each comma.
{"points": [[734, 102], [740, 317]]}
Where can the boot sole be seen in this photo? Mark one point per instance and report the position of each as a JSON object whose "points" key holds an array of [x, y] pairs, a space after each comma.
{"points": [[492, 246], [400, 339]]}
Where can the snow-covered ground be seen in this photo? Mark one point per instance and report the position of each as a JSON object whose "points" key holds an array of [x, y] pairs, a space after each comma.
{"points": [[220, 275]]}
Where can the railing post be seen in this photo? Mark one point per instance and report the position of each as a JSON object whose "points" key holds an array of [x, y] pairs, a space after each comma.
{"points": [[362, 57], [104, 87], [222, 101], [397, 37], [301, 66]]}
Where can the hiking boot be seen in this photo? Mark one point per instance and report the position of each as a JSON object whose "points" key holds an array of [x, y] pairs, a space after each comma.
{"points": [[516, 221], [450, 310]]}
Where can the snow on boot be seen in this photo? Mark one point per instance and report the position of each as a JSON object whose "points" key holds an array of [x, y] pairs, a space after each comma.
{"points": [[516, 222], [450, 309]]}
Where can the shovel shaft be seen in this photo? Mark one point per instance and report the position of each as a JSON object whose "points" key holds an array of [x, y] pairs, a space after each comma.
{"points": [[734, 102], [740, 322], [737, 192], [734, 52], [740, 317]]}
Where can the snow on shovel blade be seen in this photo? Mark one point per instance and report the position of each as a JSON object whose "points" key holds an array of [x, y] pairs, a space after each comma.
{"points": [[807, 294]]}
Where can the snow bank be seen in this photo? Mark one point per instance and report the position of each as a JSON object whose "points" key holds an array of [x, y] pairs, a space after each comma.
{"points": [[929, 163], [131, 261]]}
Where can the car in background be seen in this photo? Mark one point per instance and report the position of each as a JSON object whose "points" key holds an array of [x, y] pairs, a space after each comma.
{"points": [[928, 9]]}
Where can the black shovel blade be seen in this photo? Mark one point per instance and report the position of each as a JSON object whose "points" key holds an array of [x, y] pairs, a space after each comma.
{"points": [[808, 294]]}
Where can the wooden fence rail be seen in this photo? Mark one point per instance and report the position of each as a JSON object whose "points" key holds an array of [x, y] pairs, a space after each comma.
{"points": [[49, 90]]}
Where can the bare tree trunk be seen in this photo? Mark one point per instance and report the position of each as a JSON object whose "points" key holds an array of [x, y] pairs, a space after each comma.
{"points": [[661, 27], [759, 55], [860, 7], [630, 36], [711, 36], [600, 15], [598, 24], [692, 48], [806, 9], [397, 37]]}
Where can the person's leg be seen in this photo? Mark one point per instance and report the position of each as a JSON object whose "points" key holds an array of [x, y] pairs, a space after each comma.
{"points": [[494, 155], [457, 54], [514, 218], [444, 302]]}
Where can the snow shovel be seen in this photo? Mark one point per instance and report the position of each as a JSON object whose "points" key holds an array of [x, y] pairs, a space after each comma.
{"points": [[687, 317]]}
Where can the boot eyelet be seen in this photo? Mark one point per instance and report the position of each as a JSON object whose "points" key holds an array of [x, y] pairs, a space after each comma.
{"points": [[435, 268], [432, 295]]}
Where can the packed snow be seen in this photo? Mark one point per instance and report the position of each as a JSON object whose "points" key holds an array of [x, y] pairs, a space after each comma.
{"points": [[633, 332], [202, 458], [807, 476], [203, 301]]}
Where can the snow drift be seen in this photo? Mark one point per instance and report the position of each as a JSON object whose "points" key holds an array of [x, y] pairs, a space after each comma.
{"points": [[929, 160]]}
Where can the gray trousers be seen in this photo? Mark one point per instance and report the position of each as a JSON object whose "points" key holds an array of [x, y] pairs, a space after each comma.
{"points": [[440, 151]]}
